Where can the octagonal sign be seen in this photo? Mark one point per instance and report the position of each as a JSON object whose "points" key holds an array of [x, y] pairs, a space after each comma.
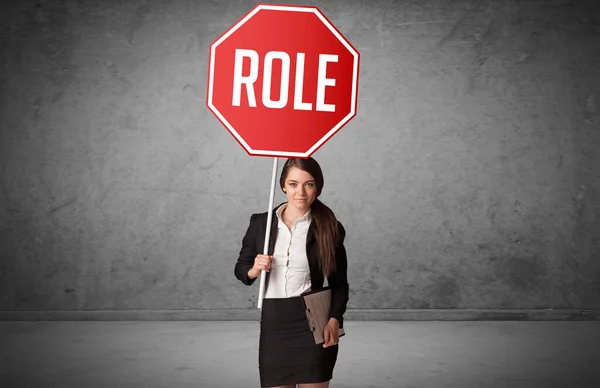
{"points": [[283, 80]]}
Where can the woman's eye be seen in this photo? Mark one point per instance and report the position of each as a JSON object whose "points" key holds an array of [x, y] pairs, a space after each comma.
{"points": [[310, 184], [292, 184]]}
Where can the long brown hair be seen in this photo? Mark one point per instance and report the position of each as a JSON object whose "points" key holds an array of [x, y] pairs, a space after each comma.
{"points": [[326, 224]]}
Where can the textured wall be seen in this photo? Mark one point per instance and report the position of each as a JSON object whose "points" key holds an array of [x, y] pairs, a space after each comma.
{"points": [[470, 177]]}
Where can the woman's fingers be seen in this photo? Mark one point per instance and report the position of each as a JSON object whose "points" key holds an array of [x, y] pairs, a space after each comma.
{"points": [[263, 262], [326, 336], [266, 261], [329, 336]]}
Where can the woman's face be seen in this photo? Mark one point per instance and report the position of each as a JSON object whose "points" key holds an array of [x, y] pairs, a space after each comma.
{"points": [[300, 189]]}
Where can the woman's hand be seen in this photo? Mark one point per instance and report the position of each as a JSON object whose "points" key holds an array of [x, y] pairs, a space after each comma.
{"points": [[330, 333], [261, 262]]}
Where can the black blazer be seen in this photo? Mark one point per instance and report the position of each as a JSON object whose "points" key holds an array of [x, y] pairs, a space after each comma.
{"points": [[253, 243]]}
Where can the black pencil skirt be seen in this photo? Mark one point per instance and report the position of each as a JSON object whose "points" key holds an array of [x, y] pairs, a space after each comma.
{"points": [[287, 350]]}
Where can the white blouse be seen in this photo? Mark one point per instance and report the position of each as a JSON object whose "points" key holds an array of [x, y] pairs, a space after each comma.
{"points": [[290, 274]]}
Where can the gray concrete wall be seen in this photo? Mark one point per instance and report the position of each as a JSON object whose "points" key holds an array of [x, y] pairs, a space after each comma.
{"points": [[470, 177]]}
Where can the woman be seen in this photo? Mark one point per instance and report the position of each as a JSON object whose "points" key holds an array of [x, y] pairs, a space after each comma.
{"points": [[306, 245]]}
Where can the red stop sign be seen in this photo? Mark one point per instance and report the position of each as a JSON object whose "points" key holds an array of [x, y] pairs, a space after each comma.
{"points": [[283, 80]]}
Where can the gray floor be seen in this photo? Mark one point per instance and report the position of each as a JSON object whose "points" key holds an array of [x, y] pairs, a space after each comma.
{"points": [[373, 354]]}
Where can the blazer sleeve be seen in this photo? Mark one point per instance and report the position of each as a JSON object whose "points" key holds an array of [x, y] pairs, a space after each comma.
{"points": [[247, 254], [338, 280]]}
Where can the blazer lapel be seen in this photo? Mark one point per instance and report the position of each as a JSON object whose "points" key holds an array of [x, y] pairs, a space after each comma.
{"points": [[311, 233], [273, 234]]}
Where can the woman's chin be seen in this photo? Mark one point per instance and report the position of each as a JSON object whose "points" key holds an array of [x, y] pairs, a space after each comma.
{"points": [[300, 205]]}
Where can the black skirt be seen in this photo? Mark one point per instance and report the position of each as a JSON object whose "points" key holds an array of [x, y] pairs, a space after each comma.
{"points": [[287, 350]]}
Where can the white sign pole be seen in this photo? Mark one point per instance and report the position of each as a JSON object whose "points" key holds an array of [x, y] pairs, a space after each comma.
{"points": [[267, 232]]}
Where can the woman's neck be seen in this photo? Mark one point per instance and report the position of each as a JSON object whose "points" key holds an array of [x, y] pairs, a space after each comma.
{"points": [[291, 214]]}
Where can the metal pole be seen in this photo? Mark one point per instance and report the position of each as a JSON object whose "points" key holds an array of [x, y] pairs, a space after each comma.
{"points": [[268, 232]]}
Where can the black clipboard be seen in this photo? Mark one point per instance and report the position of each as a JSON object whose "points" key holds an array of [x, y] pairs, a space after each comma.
{"points": [[316, 305]]}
